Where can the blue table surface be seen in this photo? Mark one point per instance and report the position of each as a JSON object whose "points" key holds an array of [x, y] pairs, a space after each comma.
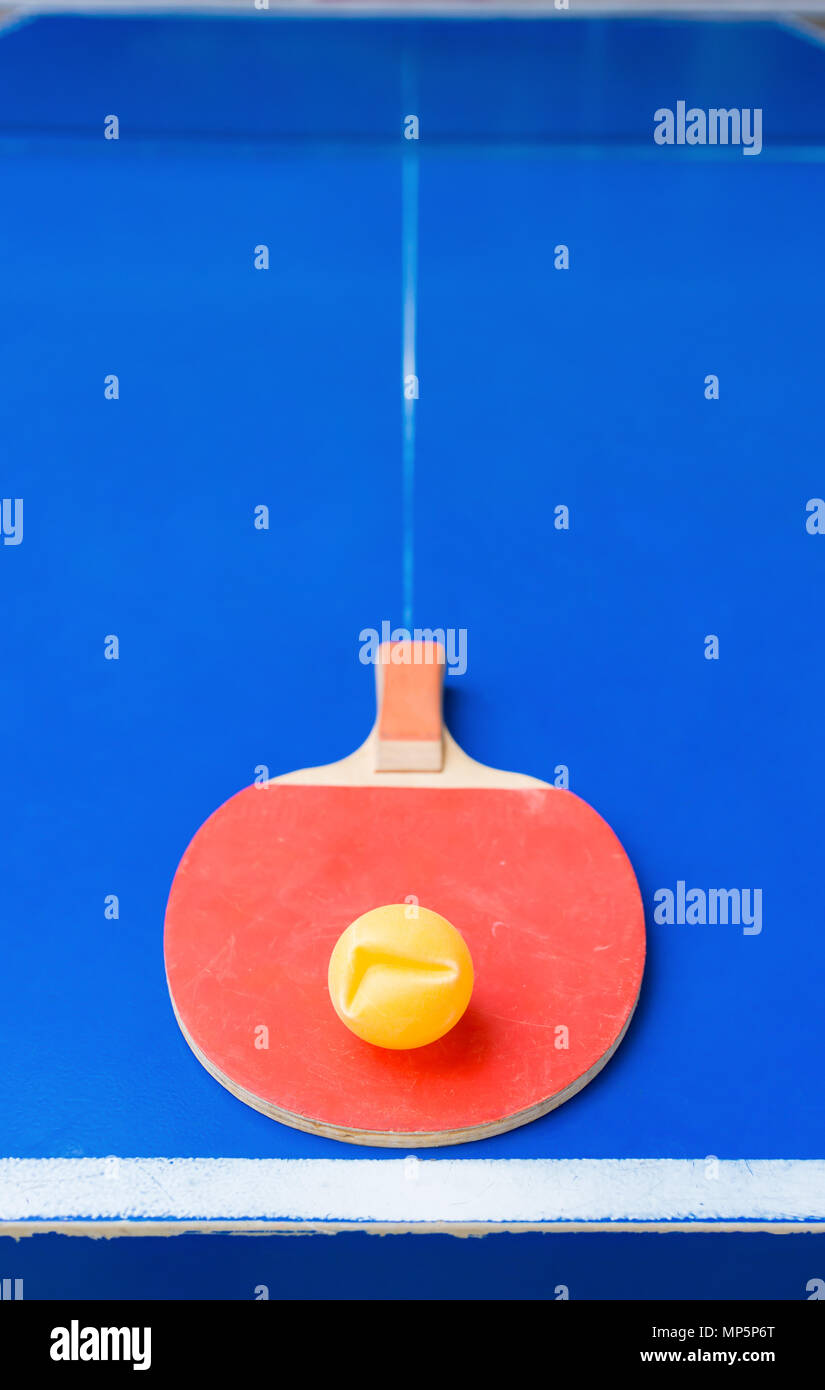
{"points": [[239, 647]]}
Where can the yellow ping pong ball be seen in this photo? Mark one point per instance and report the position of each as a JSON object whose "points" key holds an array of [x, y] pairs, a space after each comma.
{"points": [[400, 976]]}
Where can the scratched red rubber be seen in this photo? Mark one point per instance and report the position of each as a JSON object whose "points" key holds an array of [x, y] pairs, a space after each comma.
{"points": [[534, 879]]}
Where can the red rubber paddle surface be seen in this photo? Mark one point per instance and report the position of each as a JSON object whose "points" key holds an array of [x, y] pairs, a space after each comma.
{"points": [[533, 878]]}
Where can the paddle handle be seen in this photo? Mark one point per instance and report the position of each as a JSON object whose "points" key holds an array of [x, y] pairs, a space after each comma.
{"points": [[409, 680]]}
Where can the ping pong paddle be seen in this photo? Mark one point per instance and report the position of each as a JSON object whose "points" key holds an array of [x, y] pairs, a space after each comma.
{"points": [[533, 878]]}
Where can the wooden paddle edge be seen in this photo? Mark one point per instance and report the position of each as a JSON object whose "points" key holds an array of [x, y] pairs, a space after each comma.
{"points": [[399, 1139]]}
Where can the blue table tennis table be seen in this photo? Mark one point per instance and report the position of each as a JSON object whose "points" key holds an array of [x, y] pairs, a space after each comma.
{"points": [[609, 476]]}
